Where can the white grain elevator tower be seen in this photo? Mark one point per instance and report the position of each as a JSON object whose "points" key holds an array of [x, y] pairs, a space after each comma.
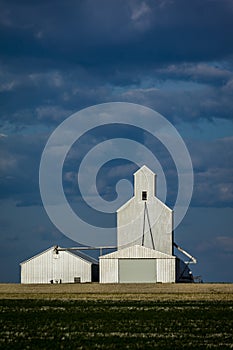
{"points": [[145, 240]]}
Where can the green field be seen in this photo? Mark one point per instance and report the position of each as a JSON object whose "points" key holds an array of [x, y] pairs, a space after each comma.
{"points": [[89, 324], [94, 316]]}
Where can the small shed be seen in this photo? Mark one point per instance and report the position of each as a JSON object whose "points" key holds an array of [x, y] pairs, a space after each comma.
{"points": [[137, 264], [55, 266]]}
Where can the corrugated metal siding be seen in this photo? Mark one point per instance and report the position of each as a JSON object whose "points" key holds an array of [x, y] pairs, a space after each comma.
{"points": [[137, 251], [38, 270], [108, 270], [130, 217], [50, 266], [166, 270]]}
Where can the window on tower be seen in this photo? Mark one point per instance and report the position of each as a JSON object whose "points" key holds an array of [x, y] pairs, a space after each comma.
{"points": [[144, 195]]}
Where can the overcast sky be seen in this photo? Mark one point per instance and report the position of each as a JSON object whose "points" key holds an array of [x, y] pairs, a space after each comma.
{"points": [[174, 56]]}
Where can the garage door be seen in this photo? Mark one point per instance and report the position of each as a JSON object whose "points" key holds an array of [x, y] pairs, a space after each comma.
{"points": [[137, 270]]}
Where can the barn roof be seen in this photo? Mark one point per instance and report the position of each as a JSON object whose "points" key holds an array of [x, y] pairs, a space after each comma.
{"points": [[144, 169], [77, 253], [137, 251]]}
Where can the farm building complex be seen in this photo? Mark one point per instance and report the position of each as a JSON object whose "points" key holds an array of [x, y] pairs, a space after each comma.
{"points": [[144, 252]]}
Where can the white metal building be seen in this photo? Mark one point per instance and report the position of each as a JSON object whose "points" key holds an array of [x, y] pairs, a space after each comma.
{"points": [[137, 264], [144, 219], [144, 247], [54, 266], [144, 239]]}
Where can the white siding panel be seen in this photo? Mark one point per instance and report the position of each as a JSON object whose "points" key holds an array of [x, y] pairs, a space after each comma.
{"points": [[166, 270], [165, 263], [135, 252], [50, 266], [108, 270], [130, 217], [38, 270]]}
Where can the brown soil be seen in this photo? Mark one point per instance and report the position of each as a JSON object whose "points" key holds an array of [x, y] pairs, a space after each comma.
{"points": [[202, 291]]}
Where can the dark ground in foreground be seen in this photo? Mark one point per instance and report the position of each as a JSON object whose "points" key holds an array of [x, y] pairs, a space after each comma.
{"points": [[115, 324]]}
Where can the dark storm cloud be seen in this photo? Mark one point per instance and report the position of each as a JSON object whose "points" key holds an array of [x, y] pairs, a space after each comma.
{"points": [[50, 97], [58, 58], [213, 168], [186, 102], [20, 158], [19, 168], [118, 31], [199, 73]]}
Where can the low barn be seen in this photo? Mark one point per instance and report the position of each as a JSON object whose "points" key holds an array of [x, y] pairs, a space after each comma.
{"points": [[137, 264], [55, 266]]}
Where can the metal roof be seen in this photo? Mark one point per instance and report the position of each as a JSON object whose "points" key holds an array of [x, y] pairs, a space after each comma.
{"points": [[137, 251], [145, 168], [76, 253]]}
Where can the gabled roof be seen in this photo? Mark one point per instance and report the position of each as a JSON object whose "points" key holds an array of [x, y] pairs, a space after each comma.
{"points": [[125, 204], [144, 168], [76, 253], [137, 251], [35, 256], [133, 198]]}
